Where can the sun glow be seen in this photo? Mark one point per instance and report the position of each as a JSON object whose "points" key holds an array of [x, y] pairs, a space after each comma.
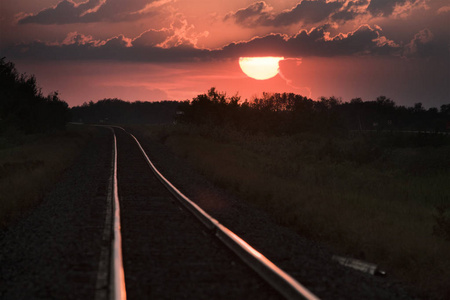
{"points": [[260, 68]]}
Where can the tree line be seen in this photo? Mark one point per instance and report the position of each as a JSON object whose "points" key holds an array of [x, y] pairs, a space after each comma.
{"points": [[23, 107], [289, 113], [116, 111]]}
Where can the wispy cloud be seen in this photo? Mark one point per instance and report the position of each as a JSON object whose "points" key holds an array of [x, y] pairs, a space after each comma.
{"points": [[69, 12], [93, 9], [151, 6], [444, 9], [386, 8], [425, 44]]}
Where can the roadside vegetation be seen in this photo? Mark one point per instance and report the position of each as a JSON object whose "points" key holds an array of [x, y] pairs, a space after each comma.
{"points": [[378, 195], [36, 145], [392, 210]]}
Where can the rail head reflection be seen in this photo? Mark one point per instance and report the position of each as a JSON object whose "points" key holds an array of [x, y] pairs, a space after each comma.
{"points": [[277, 278]]}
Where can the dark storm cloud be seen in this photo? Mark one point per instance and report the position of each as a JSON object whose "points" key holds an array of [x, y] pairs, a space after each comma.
{"points": [[68, 12], [151, 46], [307, 11]]}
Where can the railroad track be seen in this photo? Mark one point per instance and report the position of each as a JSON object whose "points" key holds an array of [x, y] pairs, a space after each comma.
{"points": [[165, 246], [62, 249]]}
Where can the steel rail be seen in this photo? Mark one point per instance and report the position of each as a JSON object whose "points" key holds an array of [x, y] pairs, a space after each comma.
{"points": [[117, 288], [102, 286], [277, 278], [117, 272]]}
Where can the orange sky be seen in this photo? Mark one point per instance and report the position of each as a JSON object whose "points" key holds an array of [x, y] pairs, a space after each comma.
{"points": [[176, 49]]}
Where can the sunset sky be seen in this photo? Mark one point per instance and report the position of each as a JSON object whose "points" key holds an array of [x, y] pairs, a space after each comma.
{"points": [[175, 49]]}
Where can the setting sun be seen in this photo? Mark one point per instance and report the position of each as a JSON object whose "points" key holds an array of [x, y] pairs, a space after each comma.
{"points": [[260, 68]]}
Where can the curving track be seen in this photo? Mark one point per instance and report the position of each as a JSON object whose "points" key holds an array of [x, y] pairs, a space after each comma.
{"points": [[184, 257]]}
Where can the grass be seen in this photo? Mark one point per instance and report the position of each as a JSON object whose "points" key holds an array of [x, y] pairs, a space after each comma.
{"points": [[370, 197], [30, 166]]}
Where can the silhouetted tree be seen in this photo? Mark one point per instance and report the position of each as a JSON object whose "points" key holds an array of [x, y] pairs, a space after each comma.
{"points": [[22, 105]]}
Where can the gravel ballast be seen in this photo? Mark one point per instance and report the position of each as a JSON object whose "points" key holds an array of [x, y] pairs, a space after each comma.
{"points": [[53, 251]]}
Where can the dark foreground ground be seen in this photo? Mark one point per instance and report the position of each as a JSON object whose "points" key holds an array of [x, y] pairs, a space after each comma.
{"points": [[53, 252]]}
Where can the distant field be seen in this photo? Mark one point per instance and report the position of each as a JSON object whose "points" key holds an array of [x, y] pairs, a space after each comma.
{"points": [[30, 165], [379, 197]]}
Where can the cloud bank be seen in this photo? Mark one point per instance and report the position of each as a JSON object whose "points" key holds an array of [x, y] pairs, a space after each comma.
{"points": [[178, 44]]}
